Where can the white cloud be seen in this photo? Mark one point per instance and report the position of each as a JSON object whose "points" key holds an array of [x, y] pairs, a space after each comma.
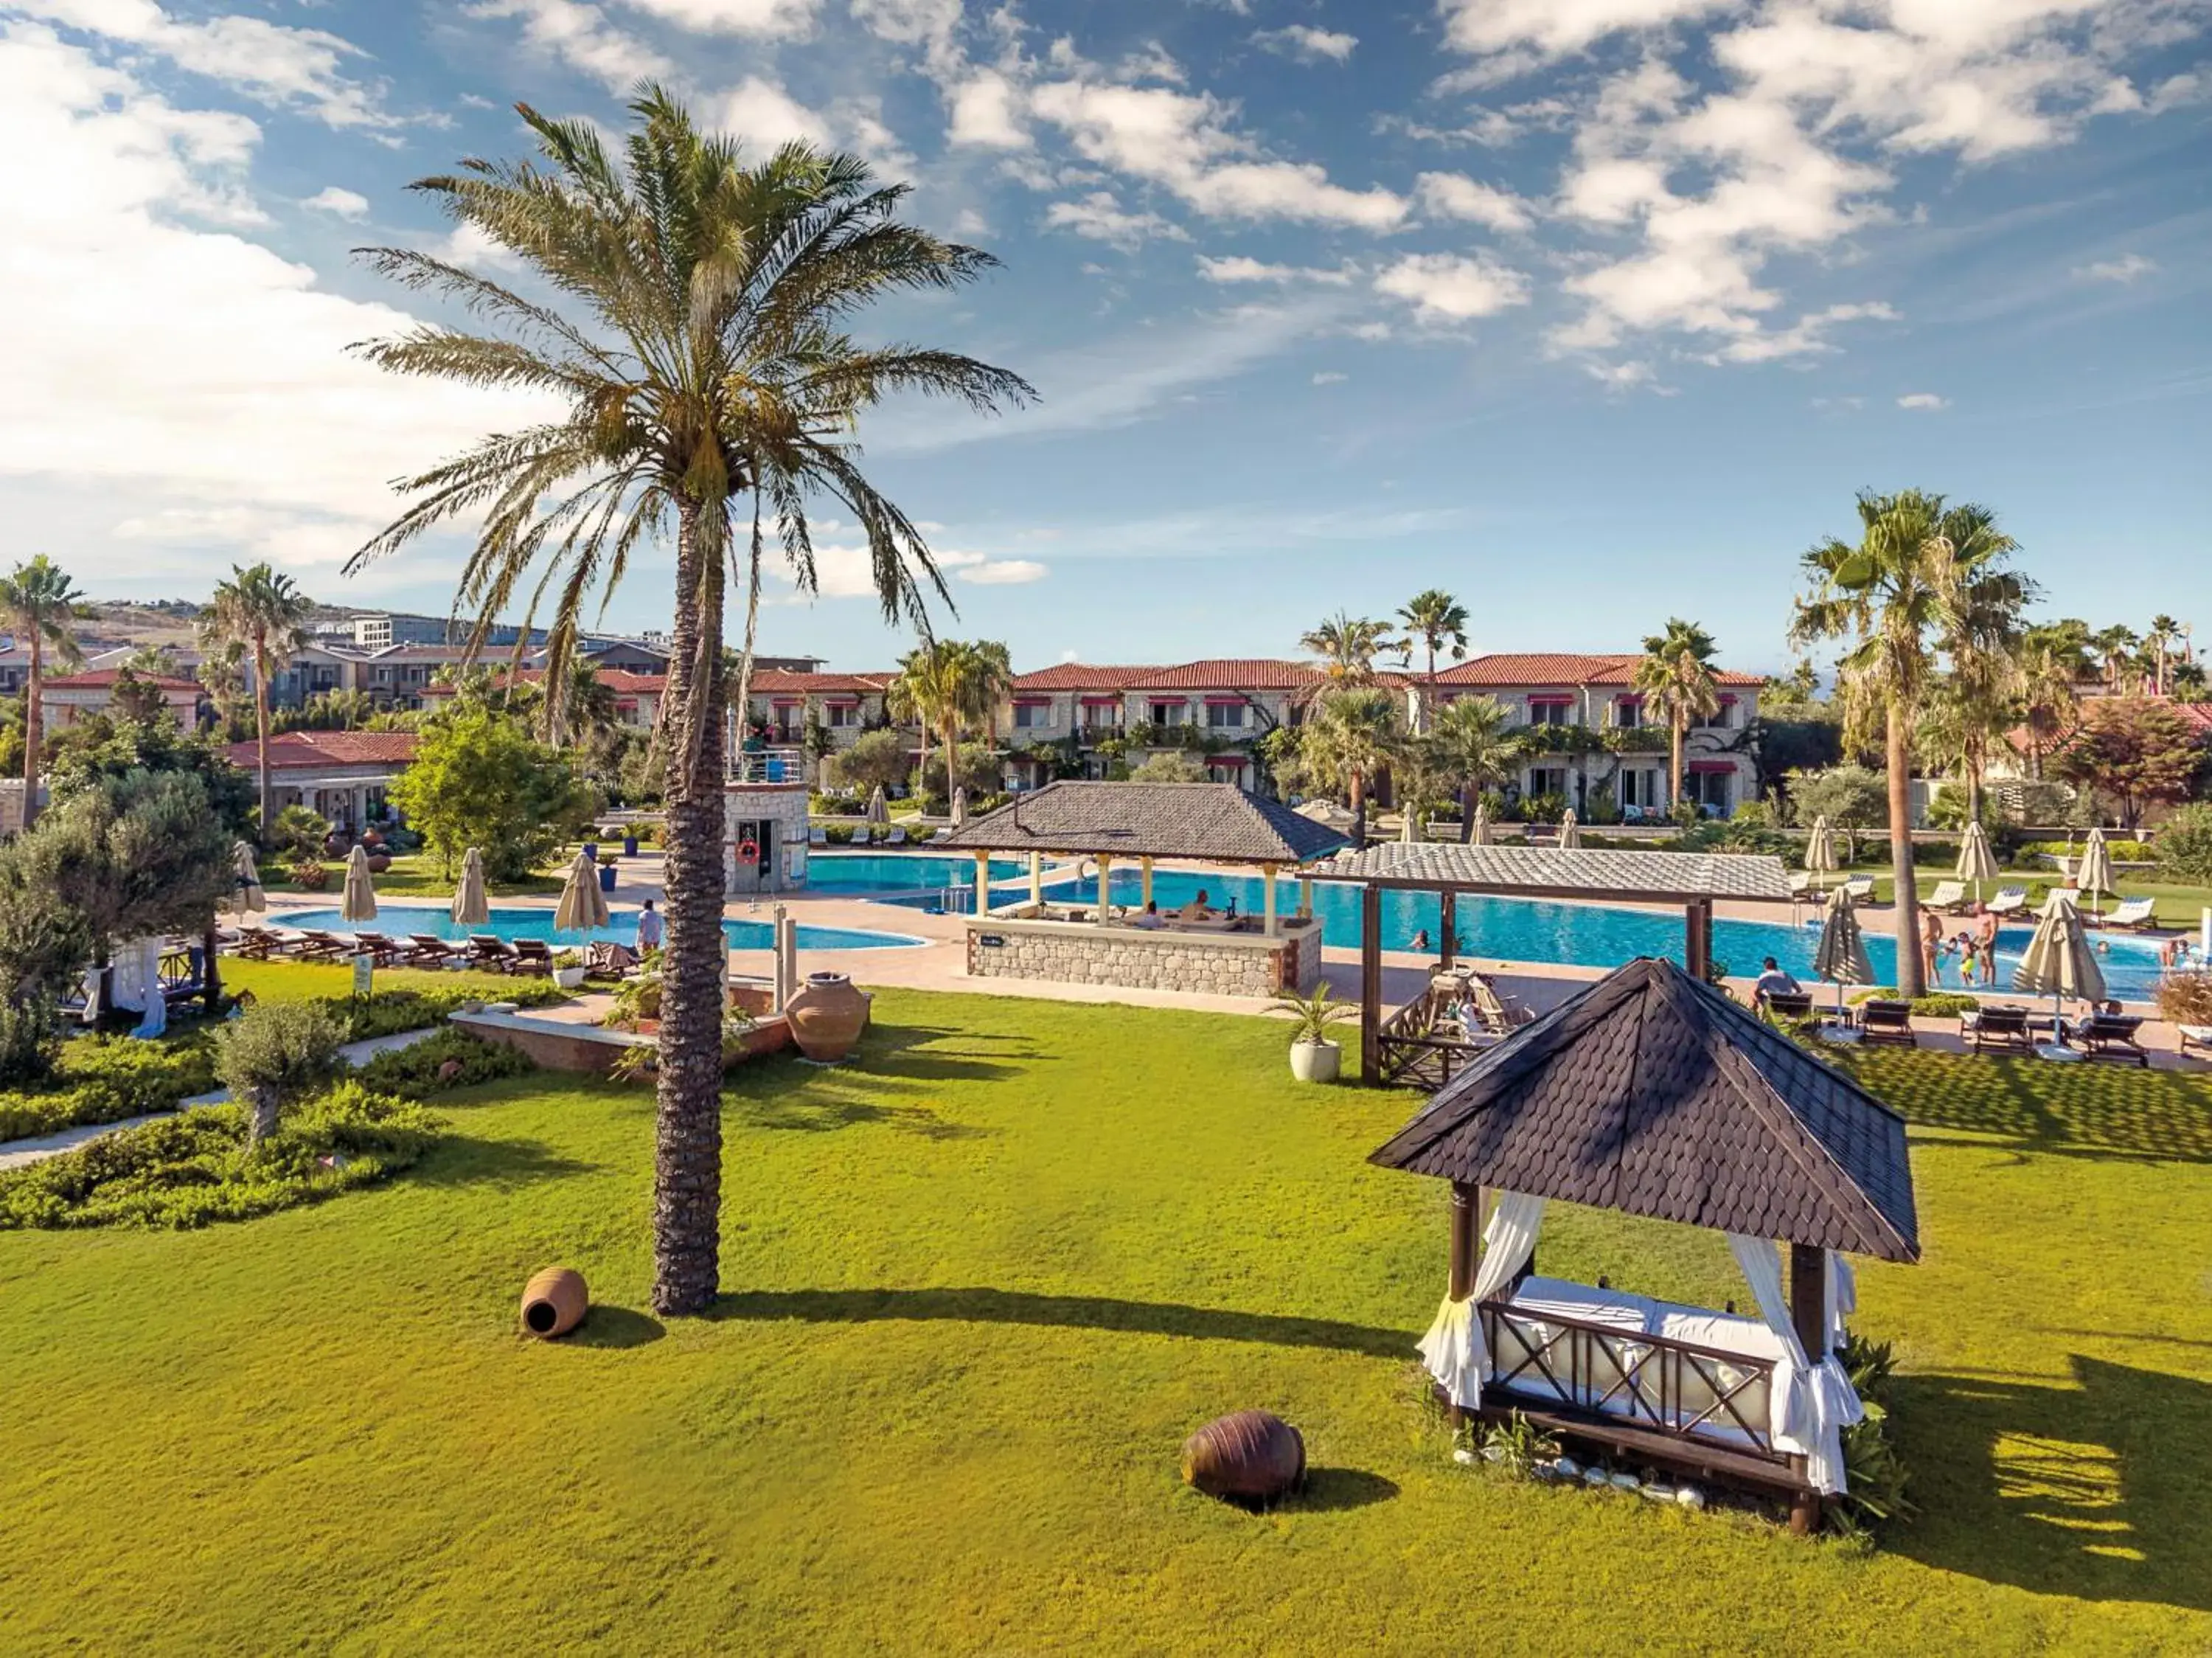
{"points": [[770, 17], [294, 68], [1539, 29], [848, 572], [346, 204], [2124, 270], [763, 113], [1806, 336], [1330, 377], [1924, 400], [1001, 572], [1099, 217], [1183, 142], [1622, 376], [1236, 267], [186, 383], [1456, 196], [1308, 44], [579, 35], [986, 112], [1454, 287]]}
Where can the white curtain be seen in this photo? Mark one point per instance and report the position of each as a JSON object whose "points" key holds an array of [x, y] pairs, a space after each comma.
{"points": [[1810, 1404], [1842, 1297], [1454, 1349]]}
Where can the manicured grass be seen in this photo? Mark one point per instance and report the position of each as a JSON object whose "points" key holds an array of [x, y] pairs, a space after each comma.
{"points": [[300, 981], [978, 1286], [2177, 906], [415, 875]]}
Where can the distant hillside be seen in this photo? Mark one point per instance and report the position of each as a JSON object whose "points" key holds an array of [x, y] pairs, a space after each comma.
{"points": [[172, 622]]}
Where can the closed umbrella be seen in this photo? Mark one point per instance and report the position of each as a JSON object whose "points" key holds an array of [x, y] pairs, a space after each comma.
{"points": [[879, 809], [1976, 863], [1841, 955], [1820, 857], [1409, 827], [2059, 959], [2094, 874], [1570, 833], [1480, 835], [245, 881], [360, 901], [470, 909], [959, 806], [583, 905]]}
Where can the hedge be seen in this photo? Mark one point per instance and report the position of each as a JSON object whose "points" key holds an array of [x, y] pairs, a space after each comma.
{"points": [[414, 1071], [105, 1079]]}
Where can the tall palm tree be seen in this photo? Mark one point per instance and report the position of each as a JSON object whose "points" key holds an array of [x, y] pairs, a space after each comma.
{"points": [[962, 684], [1979, 636], [1348, 646], [1471, 742], [1676, 677], [696, 344], [38, 603], [2054, 658], [1351, 734], [266, 616], [2165, 634], [2116, 646], [911, 698], [1434, 619], [1895, 596]]}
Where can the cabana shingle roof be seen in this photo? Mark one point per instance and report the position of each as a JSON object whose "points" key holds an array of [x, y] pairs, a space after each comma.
{"points": [[1215, 820], [1671, 877], [1650, 1094]]}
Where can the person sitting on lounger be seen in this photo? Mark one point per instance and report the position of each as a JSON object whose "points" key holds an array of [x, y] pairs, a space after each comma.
{"points": [[1196, 910], [1149, 918], [1772, 981]]}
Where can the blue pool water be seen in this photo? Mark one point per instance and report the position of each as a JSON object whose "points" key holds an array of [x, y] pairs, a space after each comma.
{"points": [[869, 873], [400, 920], [1582, 934]]}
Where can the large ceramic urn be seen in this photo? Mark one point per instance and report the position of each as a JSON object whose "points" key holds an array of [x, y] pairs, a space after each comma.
{"points": [[827, 1016]]}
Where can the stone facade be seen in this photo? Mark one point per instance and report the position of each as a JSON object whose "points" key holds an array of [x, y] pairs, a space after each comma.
{"points": [[1080, 952], [773, 817]]}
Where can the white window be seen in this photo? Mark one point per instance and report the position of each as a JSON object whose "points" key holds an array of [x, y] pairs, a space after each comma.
{"points": [[1547, 780], [1102, 716], [1170, 713], [1229, 715], [1028, 716], [1628, 713], [1549, 713], [839, 715]]}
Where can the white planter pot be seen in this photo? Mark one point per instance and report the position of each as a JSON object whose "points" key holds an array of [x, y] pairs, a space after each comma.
{"points": [[569, 979], [1316, 1062]]}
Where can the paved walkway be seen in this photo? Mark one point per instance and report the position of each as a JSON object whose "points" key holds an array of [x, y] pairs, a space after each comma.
{"points": [[15, 1154]]}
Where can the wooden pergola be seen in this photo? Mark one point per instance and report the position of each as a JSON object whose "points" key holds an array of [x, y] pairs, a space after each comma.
{"points": [[1692, 880], [1653, 1094]]}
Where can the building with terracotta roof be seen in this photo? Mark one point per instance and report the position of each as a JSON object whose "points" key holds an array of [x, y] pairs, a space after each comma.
{"points": [[784, 703], [1215, 708], [341, 774], [66, 698]]}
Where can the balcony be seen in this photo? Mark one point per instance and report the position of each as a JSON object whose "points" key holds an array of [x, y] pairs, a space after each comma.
{"points": [[777, 766]]}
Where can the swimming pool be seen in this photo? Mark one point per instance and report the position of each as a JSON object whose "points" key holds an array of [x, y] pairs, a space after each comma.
{"points": [[400, 920], [869, 873], [1584, 934]]}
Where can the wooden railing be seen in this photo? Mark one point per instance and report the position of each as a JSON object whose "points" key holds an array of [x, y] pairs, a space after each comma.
{"points": [[1594, 1371], [1415, 1052]]}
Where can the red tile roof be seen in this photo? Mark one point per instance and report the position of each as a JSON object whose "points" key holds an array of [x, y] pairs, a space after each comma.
{"points": [[103, 678], [1232, 673], [779, 678], [1080, 676], [306, 748], [1507, 670]]}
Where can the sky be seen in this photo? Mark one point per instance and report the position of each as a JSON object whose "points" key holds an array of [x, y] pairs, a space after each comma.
{"points": [[1590, 312]]}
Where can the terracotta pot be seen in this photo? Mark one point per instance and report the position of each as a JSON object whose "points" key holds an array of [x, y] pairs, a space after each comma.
{"points": [[1249, 1456], [827, 1016], [379, 864], [555, 1303]]}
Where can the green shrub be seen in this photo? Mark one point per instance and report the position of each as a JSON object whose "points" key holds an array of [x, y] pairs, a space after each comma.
{"points": [[841, 834], [388, 1013], [196, 1166], [29, 1042], [415, 1071], [2184, 845], [274, 1051], [2120, 851], [100, 1079], [1936, 1004]]}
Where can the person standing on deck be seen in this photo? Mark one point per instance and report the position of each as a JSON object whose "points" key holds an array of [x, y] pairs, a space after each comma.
{"points": [[649, 928]]}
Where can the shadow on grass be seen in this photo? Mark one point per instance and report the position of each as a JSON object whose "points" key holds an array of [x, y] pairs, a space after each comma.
{"points": [[980, 1306], [933, 1053], [2097, 1491], [827, 1116], [504, 1164], [1327, 1490], [2073, 1111], [615, 1327]]}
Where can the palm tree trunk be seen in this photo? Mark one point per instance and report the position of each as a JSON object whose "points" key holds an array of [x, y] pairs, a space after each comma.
{"points": [[1468, 799], [33, 728], [1359, 809], [1898, 754], [952, 735], [1676, 736], [261, 734], [687, 1164]]}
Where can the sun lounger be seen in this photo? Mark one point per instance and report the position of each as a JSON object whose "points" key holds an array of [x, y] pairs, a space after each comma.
{"points": [[895, 836], [1881, 1021], [385, 949], [2111, 1038], [2196, 1036], [818, 836], [429, 950], [2004, 1030], [318, 946], [2131, 913], [1790, 1004], [1861, 888], [258, 943], [531, 955], [1800, 883], [1949, 895], [2009, 901], [491, 953], [609, 960], [943, 833]]}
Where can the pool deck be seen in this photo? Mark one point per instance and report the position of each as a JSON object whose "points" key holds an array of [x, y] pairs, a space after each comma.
{"points": [[939, 963]]}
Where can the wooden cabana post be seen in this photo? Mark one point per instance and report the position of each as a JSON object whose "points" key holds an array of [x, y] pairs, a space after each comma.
{"points": [[1809, 1314], [1466, 1249], [1448, 925]]}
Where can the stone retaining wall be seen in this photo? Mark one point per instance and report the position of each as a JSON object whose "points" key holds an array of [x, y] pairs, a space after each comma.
{"points": [[1077, 953], [592, 1050]]}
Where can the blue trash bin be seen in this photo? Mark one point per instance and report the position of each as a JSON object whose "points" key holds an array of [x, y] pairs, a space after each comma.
{"points": [[606, 877]]}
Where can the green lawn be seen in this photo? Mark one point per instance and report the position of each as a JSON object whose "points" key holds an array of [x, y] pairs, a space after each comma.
{"points": [[417, 874], [300, 981], [978, 1287], [2179, 905]]}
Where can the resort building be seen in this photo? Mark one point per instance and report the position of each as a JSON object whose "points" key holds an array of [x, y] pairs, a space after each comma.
{"points": [[341, 774], [1591, 701], [69, 698], [1214, 710], [843, 704]]}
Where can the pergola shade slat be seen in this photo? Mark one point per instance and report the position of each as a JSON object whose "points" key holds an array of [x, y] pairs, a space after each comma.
{"points": [[1651, 1094], [1567, 872], [1218, 821]]}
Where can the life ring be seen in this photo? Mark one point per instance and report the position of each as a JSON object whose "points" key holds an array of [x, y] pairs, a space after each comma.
{"points": [[748, 852]]}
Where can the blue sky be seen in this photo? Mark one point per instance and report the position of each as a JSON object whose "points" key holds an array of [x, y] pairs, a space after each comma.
{"points": [[1590, 311]]}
